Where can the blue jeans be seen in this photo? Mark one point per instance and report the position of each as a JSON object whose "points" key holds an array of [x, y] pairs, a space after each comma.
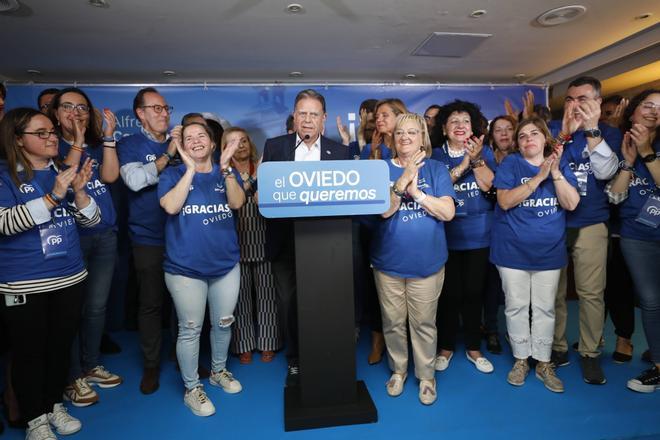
{"points": [[190, 296], [100, 253], [643, 261]]}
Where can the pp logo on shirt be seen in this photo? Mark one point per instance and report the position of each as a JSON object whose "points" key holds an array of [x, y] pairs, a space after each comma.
{"points": [[54, 240], [26, 189], [653, 210], [219, 188], [524, 180], [150, 157]]}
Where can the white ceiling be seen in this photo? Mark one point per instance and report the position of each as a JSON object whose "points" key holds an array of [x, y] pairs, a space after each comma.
{"points": [[134, 41]]}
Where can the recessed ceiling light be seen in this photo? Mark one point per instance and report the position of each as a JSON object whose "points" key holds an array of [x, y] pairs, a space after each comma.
{"points": [[295, 8], [169, 72], [410, 76], [9, 5], [644, 16], [561, 15], [478, 13], [99, 3], [295, 74], [34, 72]]}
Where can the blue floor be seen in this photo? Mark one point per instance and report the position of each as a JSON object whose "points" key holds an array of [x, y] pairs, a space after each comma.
{"points": [[470, 404]]}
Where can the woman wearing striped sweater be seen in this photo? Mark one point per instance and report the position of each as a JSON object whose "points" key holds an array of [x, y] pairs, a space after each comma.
{"points": [[41, 204]]}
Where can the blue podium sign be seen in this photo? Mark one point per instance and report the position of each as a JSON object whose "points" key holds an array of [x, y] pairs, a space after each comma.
{"points": [[323, 188]]}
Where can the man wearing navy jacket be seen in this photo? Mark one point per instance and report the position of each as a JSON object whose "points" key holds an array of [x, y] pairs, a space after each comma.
{"points": [[306, 144], [590, 151]]}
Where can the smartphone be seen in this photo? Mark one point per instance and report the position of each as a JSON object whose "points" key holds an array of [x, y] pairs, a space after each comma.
{"points": [[15, 300]]}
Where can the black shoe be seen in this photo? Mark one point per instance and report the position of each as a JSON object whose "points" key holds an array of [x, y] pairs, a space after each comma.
{"points": [[576, 346], [646, 356], [293, 375], [559, 358], [621, 358], [108, 346], [591, 371], [647, 382], [493, 343]]}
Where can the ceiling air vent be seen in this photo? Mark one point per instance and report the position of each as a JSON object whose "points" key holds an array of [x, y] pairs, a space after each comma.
{"points": [[449, 44], [9, 5], [561, 15]]}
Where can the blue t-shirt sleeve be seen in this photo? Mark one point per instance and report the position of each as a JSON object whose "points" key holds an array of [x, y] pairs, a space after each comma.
{"points": [[568, 174], [7, 199], [443, 185], [489, 158], [168, 180], [366, 152], [127, 153], [505, 177]]}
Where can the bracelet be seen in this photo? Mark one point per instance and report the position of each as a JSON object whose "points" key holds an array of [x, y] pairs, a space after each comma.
{"points": [[561, 177], [625, 167], [396, 191], [477, 163], [226, 176], [108, 139], [456, 173], [55, 197], [75, 147], [564, 138], [110, 146], [420, 198], [169, 156], [226, 171]]}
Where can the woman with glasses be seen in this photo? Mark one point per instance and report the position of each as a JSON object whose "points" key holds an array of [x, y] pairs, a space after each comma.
{"points": [[41, 204], [81, 139], [202, 256], [385, 114], [471, 166], [408, 254], [534, 191], [636, 189]]}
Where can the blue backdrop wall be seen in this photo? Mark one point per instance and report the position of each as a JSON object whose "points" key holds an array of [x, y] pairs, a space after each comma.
{"points": [[263, 109]]}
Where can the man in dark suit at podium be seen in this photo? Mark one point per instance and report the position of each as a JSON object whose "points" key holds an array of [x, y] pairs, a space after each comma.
{"points": [[305, 144]]}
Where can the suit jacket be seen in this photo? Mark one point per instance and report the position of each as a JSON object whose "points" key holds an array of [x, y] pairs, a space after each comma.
{"points": [[279, 232]]}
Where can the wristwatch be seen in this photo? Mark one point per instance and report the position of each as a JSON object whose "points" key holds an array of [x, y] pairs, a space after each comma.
{"points": [[649, 158], [592, 133], [396, 191], [226, 171]]}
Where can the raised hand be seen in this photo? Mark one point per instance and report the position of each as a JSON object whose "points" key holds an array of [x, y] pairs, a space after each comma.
{"points": [[641, 137], [228, 152], [110, 123], [82, 177], [508, 107], [569, 123], [546, 166], [473, 147], [557, 152], [528, 104], [615, 119], [589, 110], [176, 142], [79, 128], [628, 149], [185, 158], [343, 132], [63, 180]]}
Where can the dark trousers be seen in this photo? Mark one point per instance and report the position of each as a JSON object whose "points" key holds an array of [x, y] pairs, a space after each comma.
{"points": [[493, 297], [365, 288], [284, 270], [619, 293], [151, 291], [41, 334], [465, 280]]}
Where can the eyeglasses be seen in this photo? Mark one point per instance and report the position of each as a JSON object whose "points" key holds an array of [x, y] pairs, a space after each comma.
{"points": [[69, 107], [159, 108], [42, 134], [411, 133], [650, 105]]}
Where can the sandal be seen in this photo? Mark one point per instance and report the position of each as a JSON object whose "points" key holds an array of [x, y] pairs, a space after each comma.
{"points": [[267, 356], [245, 358]]}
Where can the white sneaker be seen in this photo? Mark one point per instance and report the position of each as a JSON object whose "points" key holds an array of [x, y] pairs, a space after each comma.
{"points": [[442, 362], [481, 363], [62, 421], [198, 402], [39, 429], [427, 394], [225, 380], [102, 377], [395, 384]]}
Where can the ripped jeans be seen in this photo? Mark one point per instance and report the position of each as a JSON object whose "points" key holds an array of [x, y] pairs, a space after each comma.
{"points": [[523, 290], [190, 296]]}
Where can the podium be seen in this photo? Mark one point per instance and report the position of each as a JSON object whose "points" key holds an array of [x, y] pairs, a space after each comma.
{"points": [[320, 206]]}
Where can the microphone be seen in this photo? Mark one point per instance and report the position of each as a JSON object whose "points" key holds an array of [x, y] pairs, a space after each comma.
{"points": [[306, 137]]}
